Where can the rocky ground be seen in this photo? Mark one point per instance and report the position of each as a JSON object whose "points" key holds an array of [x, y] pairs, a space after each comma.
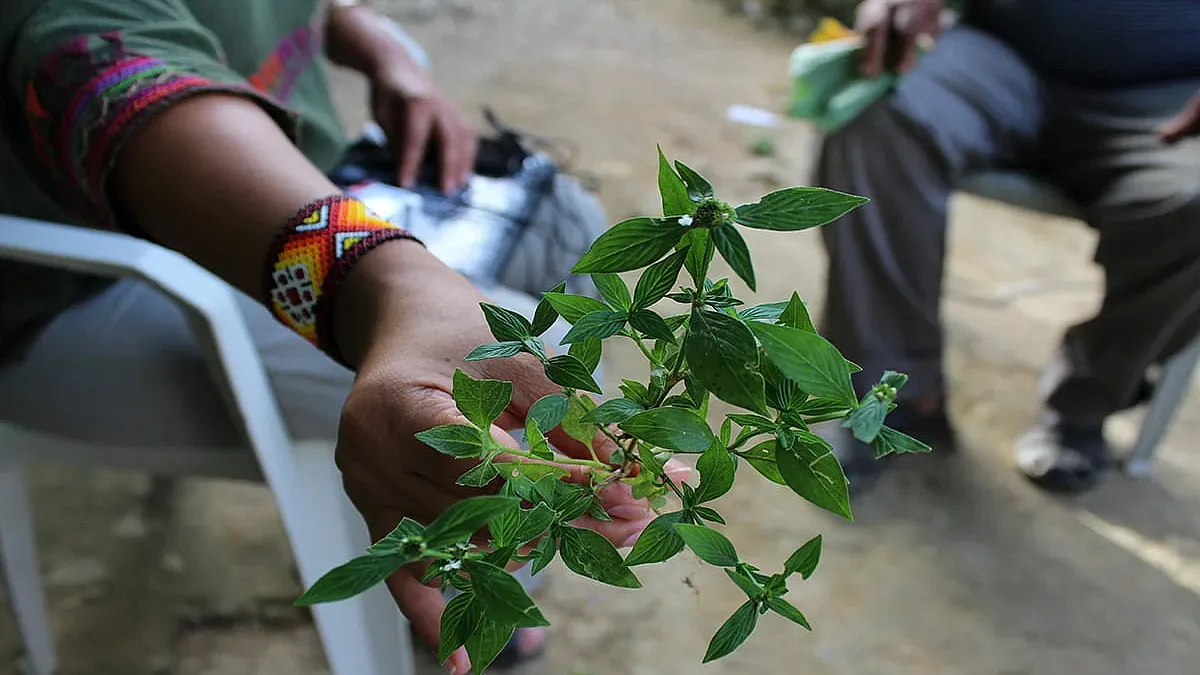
{"points": [[954, 566]]}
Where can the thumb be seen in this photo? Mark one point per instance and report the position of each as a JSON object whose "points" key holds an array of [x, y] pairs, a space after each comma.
{"points": [[423, 606]]}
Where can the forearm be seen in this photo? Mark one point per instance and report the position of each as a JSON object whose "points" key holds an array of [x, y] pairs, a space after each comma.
{"points": [[359, 38], [214, 178]]}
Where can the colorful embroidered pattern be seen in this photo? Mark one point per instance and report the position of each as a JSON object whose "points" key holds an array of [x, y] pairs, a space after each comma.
{"points": [[313, 254], [81, 104], [296, 53]]}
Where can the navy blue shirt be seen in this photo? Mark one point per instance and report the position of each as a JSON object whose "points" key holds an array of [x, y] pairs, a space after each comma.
{"points": [[1098, 43]]}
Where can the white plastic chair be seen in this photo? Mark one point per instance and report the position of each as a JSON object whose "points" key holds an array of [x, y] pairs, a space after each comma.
{"points": [[362, 636], [1025, 191]]}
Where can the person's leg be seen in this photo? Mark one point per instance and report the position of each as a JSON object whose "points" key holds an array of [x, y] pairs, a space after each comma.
{"points": [[969, 104], [1143, 198]]}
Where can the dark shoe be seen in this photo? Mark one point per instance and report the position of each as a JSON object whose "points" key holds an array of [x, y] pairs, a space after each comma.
{"points": [[858, 459], [1063, 457]]}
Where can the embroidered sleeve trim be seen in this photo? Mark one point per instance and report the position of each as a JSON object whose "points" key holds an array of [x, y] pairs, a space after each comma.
{"points": [[84, 101]]}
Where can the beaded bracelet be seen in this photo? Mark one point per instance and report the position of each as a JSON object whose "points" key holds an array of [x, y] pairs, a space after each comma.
{"points": [[312, 256]]}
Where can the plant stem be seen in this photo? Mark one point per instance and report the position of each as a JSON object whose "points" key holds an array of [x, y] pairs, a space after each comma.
{"points": [[642, 346], [592, 463]]}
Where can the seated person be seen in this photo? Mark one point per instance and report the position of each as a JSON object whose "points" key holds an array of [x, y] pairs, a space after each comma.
{"points": [[206, 126], [1097, 96]]}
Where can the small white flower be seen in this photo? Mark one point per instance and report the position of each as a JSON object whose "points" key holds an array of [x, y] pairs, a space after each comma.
{"points": [[685, 220], [452, 565]]}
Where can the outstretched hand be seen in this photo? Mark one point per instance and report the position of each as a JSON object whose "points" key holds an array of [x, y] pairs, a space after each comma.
{"points": [[423, 331]]}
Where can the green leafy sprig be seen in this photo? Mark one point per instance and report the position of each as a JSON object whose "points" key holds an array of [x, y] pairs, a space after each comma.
{"points": [[766, 359]]}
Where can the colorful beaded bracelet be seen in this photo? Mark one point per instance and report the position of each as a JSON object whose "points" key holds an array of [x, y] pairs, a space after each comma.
{"points": [[312, 256]]}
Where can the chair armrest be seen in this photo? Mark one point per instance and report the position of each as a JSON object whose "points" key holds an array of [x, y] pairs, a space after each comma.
{"points": [[208, 302]]}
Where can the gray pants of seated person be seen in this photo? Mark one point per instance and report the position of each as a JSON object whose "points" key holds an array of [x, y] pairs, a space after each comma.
{"points": [[125, 369], [972, 104]]}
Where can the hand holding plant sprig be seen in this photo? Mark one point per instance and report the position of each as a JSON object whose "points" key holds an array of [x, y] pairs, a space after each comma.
{"points": [[766, 359]]}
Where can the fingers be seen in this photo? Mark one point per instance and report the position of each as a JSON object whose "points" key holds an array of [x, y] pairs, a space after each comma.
{"points": [[423, 606], [418, 126], [1186, 123], [458, 146], [877, 20]]}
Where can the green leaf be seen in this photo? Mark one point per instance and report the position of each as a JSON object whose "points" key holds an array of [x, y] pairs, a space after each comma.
{"points": [[762, 458], [698, 187], [536, 522], [804, 560], [768, 312], [629, 245], [548, 411], [811, 471], [506, 324], [538, 446], [716, 469], [672, 428], [459, 621], [674, 192], [588, 352], [501, 596], [465, 517], [659, 542], [545, 315], [613, 290], [657, 280], [588, 554], [788, 611], [478, 476], [614, 411], [481, 401], [596, 325], [456, 440], [532, 471], [808, 359], [709, 545], [543, 554], [495, 350], [573, 307], [823, 407], [782, 394], [733, 632], [652, 325], [576, 424], [636, 391], [352, 578], [699, 254], [567, 371], [398, 539], [866, 421], [733, 249], [487, 641], [889, 441], [708, 514], [724, 357], [795, 314], [745, 582], [797, 208], [571, 501]]}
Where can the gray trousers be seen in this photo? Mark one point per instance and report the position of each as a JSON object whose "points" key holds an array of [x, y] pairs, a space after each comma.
{"points": [[973, 104], [124, 368]]}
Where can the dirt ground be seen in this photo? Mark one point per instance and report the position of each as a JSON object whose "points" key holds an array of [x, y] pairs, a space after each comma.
{"points": [[954, 566]]}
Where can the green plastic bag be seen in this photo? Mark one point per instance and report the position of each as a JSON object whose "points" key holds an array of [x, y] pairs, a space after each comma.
{"points": [[827, 88]]}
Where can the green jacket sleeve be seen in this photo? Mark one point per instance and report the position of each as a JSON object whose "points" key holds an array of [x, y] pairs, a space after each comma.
{"points": [[79, 76]]}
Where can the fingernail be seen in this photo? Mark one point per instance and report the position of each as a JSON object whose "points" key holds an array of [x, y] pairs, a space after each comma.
{"points": [[631, 541], [628, 512]]}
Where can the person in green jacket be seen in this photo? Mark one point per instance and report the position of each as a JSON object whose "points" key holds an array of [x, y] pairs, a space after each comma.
{"points": [[208, 126]]}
